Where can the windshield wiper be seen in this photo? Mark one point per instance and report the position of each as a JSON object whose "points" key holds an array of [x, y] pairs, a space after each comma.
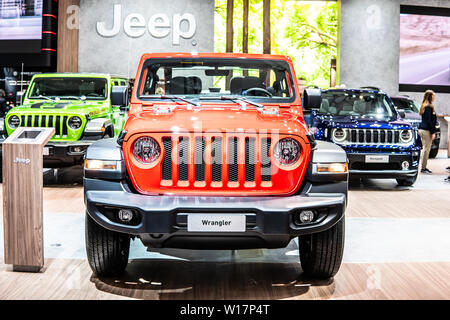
{"points": [[43, 97], [83, 98], [181, 99], [234, 99]]}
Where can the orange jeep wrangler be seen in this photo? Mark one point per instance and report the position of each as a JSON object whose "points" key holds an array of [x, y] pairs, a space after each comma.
{"points": [[215, 154]]}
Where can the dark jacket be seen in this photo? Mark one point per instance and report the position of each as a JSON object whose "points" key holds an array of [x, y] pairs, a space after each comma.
{"points": [[429, 120], [3, 107]]}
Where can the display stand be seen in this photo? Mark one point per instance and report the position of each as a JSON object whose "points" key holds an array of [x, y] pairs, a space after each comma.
{"points": [[23, 198]]}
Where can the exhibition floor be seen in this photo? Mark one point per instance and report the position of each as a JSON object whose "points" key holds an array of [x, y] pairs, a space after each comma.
{"points": [[397, 247]]}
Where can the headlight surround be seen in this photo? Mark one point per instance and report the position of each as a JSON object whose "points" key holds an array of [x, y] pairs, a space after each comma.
{"points": [[406, 136], [339, 135], [287, 151], [75, 123], [93, 164], [146, 150], [331, 168], [14, 122]]}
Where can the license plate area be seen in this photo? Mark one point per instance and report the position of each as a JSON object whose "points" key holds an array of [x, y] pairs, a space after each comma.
{"points": [[204, 222], [377, 159]]}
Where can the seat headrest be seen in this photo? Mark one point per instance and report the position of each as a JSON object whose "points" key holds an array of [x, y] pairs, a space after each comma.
{"points": [[346, 110], [236, 85], [359, 106], [325, 106], [239, 84], [193, 85], [177, 85], [347, 107]]}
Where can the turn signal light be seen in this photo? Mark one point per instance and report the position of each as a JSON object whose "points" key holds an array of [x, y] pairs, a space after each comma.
{"points": [[332, 167], [100, 164]]}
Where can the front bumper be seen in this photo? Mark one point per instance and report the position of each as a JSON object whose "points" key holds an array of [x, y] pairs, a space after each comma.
{"points": [[359, 168], [270, 221], [57, 154]]}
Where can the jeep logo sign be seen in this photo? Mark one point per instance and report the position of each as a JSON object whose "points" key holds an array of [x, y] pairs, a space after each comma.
{"points": [[18, 160], [158, 26], [114, 34]]}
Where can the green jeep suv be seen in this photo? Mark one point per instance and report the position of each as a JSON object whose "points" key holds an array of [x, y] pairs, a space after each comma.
{"points": [[82, 108]]}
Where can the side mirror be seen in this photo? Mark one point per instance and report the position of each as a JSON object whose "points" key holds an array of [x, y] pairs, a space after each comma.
{"points": [[19, 97], [401, 112], [119, 96], [312, 98]]}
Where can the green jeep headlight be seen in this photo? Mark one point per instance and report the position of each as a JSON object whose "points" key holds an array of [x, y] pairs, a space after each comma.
{"points": [[75, 123], [14, 122]]}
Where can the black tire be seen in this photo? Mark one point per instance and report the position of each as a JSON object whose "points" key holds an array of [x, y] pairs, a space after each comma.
{"points": [[107, 251], [433, 153], [321, 253], [407, 182]]}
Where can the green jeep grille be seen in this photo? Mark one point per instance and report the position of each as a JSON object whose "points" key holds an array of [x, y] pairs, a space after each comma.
{"points": [[59, 122]]}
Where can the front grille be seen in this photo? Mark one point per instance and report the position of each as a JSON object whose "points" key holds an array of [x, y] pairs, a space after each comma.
{"points": [[373, 136], [216, 159], [206, 167], [233, 167], [167, 162], [47, 121]]}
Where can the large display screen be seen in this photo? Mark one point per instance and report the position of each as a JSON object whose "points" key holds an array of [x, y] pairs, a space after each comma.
{"points": [[424, 48], [20, 20], [20, 26]]}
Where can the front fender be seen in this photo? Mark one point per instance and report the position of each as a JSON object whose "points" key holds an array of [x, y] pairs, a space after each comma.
{"points": [[106, 150]]}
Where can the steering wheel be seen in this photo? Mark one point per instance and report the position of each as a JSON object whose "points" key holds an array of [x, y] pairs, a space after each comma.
{"points": [[257, 90]]}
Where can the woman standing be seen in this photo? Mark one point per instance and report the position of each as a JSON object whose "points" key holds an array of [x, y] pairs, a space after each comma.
{"points": [[427, 127]]}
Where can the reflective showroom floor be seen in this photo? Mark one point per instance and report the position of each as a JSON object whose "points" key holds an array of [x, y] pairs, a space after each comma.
{"points": [[397, 247]]}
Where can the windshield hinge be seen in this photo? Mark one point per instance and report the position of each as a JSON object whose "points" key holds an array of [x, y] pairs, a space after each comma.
{"points": [[163, 109], [272, 111]]}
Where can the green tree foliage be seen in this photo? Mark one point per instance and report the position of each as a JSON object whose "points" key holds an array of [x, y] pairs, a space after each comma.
{"points": [[307, 31]]}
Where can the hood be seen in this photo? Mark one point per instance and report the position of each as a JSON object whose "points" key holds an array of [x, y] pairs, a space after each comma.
{"points": [[412, 116], [360, 123], [90, 108], [217, 119]]}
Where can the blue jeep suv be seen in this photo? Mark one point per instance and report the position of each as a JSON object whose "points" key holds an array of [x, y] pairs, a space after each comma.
{"points": [[366, 124]]}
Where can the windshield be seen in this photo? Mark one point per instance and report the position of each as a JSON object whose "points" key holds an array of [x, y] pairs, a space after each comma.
{"points": [[204, 78], [412, 106], [406, 105], [69, 88], [360, 104]]}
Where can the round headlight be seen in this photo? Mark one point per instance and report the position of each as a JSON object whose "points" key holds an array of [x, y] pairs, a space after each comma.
{"points": [[75, 123], [339, 135], [14, 122], [406, 136], [146, 150], [287, 151]]}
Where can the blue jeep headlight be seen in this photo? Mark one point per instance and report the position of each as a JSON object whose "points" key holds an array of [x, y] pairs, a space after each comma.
{"points": [[339, 135], [406, 136]]}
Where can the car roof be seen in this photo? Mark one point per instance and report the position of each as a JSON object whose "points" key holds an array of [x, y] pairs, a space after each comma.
{"points": [[402, 98], [360, 90], [74, 74], [226, 55]]}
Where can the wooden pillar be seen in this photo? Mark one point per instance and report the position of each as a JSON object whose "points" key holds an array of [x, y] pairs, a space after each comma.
{"points": [[23, 198], [230, 5], [266, 27], [68, 29], [245, 28]]}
